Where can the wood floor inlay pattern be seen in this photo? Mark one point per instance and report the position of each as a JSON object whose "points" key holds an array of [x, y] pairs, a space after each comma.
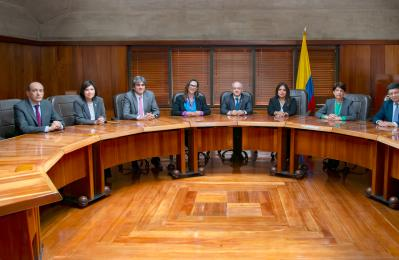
{"points": [[224, 216]]}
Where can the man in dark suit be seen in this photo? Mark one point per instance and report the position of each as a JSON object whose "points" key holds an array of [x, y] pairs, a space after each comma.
{"points": [[34, 114], [236, 103], [388, 115], [140, 104]]}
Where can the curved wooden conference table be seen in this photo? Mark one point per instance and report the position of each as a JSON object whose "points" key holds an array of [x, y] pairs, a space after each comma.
{"points": [[33, 167]]}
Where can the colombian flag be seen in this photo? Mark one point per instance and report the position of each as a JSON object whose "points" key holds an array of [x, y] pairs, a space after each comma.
{"points": [[304, 76]]}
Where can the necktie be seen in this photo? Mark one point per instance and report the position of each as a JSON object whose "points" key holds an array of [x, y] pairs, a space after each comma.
{"points": [[38, 117], [237, 104], [395, 117], [141, 110]]}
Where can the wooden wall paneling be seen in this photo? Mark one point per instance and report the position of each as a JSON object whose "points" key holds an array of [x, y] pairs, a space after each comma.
{"points": [[392, 59], [119, 78], [48, 70], [60, 69], [18, 67], [377, 68], [380, 90], [106, 65], [355, 68], [69, 69], [30, 69], [7, 74]]}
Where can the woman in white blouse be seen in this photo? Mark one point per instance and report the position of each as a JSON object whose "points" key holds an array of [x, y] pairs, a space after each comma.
{"points": [[89, 108]]}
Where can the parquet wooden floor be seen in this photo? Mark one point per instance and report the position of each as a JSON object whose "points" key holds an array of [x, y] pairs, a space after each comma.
{"points": [[240, 213]]}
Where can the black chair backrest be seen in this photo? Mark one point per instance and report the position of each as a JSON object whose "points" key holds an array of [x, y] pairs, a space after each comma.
{"points": [[118, 106], [7, 123], [301, 97], [176, 96], [361, 105], [63, 105]]}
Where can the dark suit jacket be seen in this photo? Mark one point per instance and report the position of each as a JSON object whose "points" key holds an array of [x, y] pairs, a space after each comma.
{"points": [[346, 109], [25, 118], [130, 105], [200, 102], [228, 104], [288, 107], [82, 113], [385, 112]]}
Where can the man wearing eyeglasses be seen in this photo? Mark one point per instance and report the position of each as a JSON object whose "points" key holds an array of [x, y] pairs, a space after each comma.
{"points": [[236, 104], [388, 115]]}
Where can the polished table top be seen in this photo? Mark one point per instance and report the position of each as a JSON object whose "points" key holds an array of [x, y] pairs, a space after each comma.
{"points": [[24, 160]]}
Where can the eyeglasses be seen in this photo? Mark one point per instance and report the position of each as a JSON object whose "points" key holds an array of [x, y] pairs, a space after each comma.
{"points": [[193, 86]]}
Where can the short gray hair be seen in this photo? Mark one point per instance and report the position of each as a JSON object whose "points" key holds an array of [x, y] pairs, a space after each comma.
{"points": [[139, 79]]}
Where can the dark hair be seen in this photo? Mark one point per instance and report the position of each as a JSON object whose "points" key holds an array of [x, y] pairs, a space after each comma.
{"points": [[340, 85], [188, 85], [393, 85], [287, 89], [86, 84]]}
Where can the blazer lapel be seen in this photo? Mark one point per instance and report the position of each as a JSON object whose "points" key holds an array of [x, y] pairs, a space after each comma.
{"points": [[331, 107], [45, 113], [390, 111], [345, 106], [146, 108], [241, 101], [135, 103], [95, 106], [86, 109], [30, 111]]}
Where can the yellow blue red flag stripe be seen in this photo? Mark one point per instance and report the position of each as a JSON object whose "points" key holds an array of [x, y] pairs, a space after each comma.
{"points": [[304, 75]]}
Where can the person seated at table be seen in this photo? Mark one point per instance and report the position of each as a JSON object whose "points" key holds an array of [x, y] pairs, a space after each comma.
{"points": [[282, 104], [36, 114], [89, 108], [140, 104], [236, 104], [388, 115], [338, 108], [191, 103]]}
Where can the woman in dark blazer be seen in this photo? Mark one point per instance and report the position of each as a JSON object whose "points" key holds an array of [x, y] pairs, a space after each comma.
{"points": [[89, 108], [281, 104], [338, 108], [191, 103]]}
